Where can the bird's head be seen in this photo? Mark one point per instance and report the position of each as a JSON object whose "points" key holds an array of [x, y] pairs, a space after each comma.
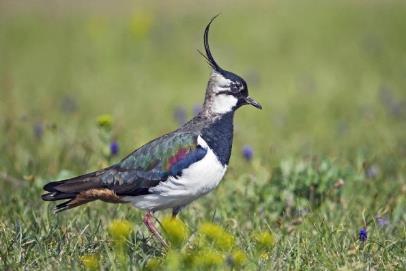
{"points": [[225, 91]]}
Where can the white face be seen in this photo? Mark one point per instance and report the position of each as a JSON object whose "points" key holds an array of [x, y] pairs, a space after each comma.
{"points": [[221, 103]]}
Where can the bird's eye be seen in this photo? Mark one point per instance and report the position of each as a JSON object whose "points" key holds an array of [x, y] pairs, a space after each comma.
{"points": [[235, 87]]}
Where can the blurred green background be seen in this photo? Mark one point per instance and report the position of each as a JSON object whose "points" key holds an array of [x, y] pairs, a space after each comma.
{"points": [[331, 76]]}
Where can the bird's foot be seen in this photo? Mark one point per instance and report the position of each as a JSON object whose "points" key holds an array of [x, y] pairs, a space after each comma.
{"points": [[148, 221]]}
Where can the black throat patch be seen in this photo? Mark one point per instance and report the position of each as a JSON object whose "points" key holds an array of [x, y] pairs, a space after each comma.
{"points": [[219, 137]]}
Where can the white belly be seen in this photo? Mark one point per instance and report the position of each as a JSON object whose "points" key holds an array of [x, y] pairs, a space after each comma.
{"points": [[197, 180]]}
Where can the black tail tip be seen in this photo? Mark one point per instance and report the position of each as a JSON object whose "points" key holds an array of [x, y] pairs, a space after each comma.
{"points": [[52, 196], [50, 187], [57, 196], [62, 207], [49, 196]]}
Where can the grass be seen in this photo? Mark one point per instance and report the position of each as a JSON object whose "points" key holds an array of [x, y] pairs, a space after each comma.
{"points": [[329, 148]]}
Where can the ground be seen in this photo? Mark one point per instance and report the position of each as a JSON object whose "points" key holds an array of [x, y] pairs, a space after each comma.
{"points": [[316, 179]]}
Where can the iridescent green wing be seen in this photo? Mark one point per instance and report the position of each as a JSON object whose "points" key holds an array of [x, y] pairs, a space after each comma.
{"points": [[165, 156]]}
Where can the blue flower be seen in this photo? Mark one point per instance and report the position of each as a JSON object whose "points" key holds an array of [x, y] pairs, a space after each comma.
{"points": [[371, 171], [114, 148], [363, 234], [180, 115], [382, 222], [247, 152], [38, 130]]}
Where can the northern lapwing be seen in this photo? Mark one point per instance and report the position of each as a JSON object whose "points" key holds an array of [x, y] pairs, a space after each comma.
{"points": [[174, 169]]}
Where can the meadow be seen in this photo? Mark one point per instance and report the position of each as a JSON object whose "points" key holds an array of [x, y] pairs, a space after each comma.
{"points": [[316, 179]]}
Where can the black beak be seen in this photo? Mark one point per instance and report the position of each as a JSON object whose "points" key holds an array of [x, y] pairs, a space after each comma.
{"points": [[252, 102]]}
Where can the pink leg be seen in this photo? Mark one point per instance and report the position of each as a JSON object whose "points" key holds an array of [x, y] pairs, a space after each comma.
{"points": [[148, 221]]}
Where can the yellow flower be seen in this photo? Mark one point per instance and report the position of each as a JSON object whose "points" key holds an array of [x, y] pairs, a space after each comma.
{"points": [[239, 258], [264, 257], [173, 260], [140, 24], [265, 240], [208, 259], [105, 121], [217, 236], [90, 262], [175, 230], [120, 230], [153, 264]]}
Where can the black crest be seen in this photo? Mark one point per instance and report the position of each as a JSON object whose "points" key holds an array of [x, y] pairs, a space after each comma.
{"points": [[209, 57]]}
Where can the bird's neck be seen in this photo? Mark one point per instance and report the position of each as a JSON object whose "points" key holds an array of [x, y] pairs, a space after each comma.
{"points": [[219, 136]]}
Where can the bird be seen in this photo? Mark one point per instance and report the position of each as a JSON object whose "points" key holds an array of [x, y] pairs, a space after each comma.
{"points": [[175, 169]]}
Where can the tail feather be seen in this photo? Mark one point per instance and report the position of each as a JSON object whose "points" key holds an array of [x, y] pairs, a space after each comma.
{"points": [[57, 196], [74, 202], [76, 184], [62, 206], [73, 190], [79, 190]]}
